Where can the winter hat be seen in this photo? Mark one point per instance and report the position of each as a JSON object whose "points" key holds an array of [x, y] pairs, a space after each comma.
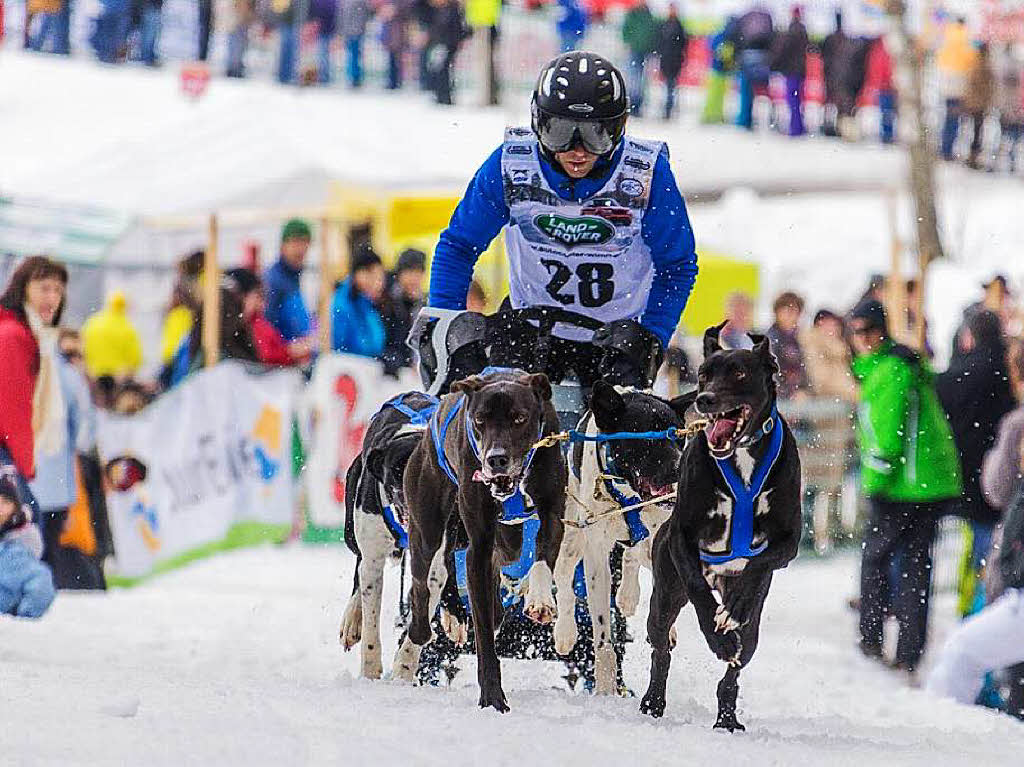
{"points": [[874, 313], [296, 228], [245, 280], [411, 258], [365, 258]]}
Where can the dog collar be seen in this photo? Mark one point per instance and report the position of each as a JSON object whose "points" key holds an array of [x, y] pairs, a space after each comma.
{"points": [[622, 493], [764, 431], [741, 535]]}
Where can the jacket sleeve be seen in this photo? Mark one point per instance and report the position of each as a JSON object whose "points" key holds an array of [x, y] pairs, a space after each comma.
{"points": [[476, 221], [667, 232], [888, 410], [17, 385], [1001, 469]]}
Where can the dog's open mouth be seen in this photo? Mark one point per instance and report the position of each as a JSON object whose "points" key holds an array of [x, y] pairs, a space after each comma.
{"points": [[502, 486], [725, 429], [650, 490]]}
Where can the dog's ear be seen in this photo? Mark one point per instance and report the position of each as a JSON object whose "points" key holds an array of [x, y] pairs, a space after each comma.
{"points": [[373, 463], [763, 349], [541, 386], [469, 385], [606, 403], [683, 403], [711, 343]]}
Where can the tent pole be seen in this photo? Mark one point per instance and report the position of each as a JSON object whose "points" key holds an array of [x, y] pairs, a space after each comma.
{"points": [[327, 271], [211, 298]]}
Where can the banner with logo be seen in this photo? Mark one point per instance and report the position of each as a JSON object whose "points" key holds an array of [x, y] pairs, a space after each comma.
{"points": [[205, 467], [343, 395]]}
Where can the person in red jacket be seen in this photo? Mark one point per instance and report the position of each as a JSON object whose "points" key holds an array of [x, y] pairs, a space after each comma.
{"points": [[880, 78], [271, 347], [36, 287]]}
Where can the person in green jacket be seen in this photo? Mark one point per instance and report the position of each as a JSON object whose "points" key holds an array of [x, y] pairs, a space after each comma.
{"points": [[909, 471], [640, 33]]}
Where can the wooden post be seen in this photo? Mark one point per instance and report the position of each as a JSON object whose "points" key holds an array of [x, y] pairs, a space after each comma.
{"points": [[920, 330], [327, 229], [211, 298], [896, 289]]}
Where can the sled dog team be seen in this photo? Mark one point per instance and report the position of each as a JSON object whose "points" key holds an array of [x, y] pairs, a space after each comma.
{"points": [[483, 470]]}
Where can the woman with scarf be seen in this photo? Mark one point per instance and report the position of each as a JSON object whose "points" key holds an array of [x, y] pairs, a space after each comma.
{"points": [[33, 415]]}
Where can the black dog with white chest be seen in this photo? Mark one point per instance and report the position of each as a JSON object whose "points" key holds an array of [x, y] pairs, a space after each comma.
{"points": [[476, 460], [736, 520]]}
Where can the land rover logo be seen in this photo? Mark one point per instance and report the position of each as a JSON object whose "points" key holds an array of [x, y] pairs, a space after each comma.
{"points": [[574, 231]]}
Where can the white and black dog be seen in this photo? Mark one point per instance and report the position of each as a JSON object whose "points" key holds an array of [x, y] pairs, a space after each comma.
{"points": [[604, 478], [376, 520], [478, 465], [736, 520]]}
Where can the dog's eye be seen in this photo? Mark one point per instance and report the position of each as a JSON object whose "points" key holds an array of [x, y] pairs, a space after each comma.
{"points": [[478, 420], [739, 375], [519, 419]]}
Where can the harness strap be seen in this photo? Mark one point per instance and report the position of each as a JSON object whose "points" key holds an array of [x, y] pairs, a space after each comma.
{"points": [[439, 433], [392, 520], [741, 536], [416, 417], [622, 493]]}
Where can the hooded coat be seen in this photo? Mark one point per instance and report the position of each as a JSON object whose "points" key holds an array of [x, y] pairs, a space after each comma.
{"points": [[975, 393]]}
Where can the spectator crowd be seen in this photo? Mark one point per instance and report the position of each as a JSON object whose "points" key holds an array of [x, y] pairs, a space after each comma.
{"points": [[975, 86]]}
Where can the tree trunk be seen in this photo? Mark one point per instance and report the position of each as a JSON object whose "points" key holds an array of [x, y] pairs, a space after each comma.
{"points": [[911, 64]]}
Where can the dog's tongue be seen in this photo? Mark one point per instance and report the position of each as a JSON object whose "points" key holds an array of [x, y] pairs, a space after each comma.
{"points": [[720, 432]]}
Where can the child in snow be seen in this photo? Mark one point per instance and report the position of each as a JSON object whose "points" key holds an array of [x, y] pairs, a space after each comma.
{"points": [[26, 586]]}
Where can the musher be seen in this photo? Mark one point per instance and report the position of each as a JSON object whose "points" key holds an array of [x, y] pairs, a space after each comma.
{"points": [[596, 227]]}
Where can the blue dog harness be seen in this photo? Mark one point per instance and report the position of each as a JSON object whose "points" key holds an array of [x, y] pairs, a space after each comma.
{"points": [[419, 418], [620, 492], [741, 536], [514, 510]]}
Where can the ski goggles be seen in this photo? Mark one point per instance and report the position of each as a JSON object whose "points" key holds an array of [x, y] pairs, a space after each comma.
{"points": [[560, 134]]}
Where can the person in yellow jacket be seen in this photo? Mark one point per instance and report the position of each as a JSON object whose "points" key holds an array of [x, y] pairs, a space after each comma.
{"points": [[110, 343], [955, 59]]}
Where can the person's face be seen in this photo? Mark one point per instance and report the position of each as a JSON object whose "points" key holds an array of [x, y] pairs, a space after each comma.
{"points": [[995, 295], [475, 304], [294, 250], [831, 327], [7, 510], [44, 296], [370, 281], [577, 162], [739, 314], [411, 283], [787, 318], [253, 303], [865, 339]]}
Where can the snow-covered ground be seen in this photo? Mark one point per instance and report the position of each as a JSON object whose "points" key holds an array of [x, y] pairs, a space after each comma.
{"points": [[235, 660]]}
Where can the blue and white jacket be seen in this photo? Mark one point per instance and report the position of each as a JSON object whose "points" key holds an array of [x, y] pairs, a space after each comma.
{"points": [[483, 211]]}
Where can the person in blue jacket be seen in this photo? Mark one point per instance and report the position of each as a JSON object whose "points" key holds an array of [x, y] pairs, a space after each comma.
{"points": [[285, 308], [356, 325], [596, 225]]}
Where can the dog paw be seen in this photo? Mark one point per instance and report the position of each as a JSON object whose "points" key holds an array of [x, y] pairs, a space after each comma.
{"points": [[407, 661], [627, 599], [540, 610], [724, 620], [566, 634], [493, 696], [653, 705], [373, 668], [725, 646], [454, 629], [727, 721], [351, 627]]}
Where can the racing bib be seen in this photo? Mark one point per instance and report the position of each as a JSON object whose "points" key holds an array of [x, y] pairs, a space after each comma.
{"points": [[585, 257]]}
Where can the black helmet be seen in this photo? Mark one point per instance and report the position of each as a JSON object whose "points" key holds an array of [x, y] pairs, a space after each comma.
{"points": [[580, 98]]}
